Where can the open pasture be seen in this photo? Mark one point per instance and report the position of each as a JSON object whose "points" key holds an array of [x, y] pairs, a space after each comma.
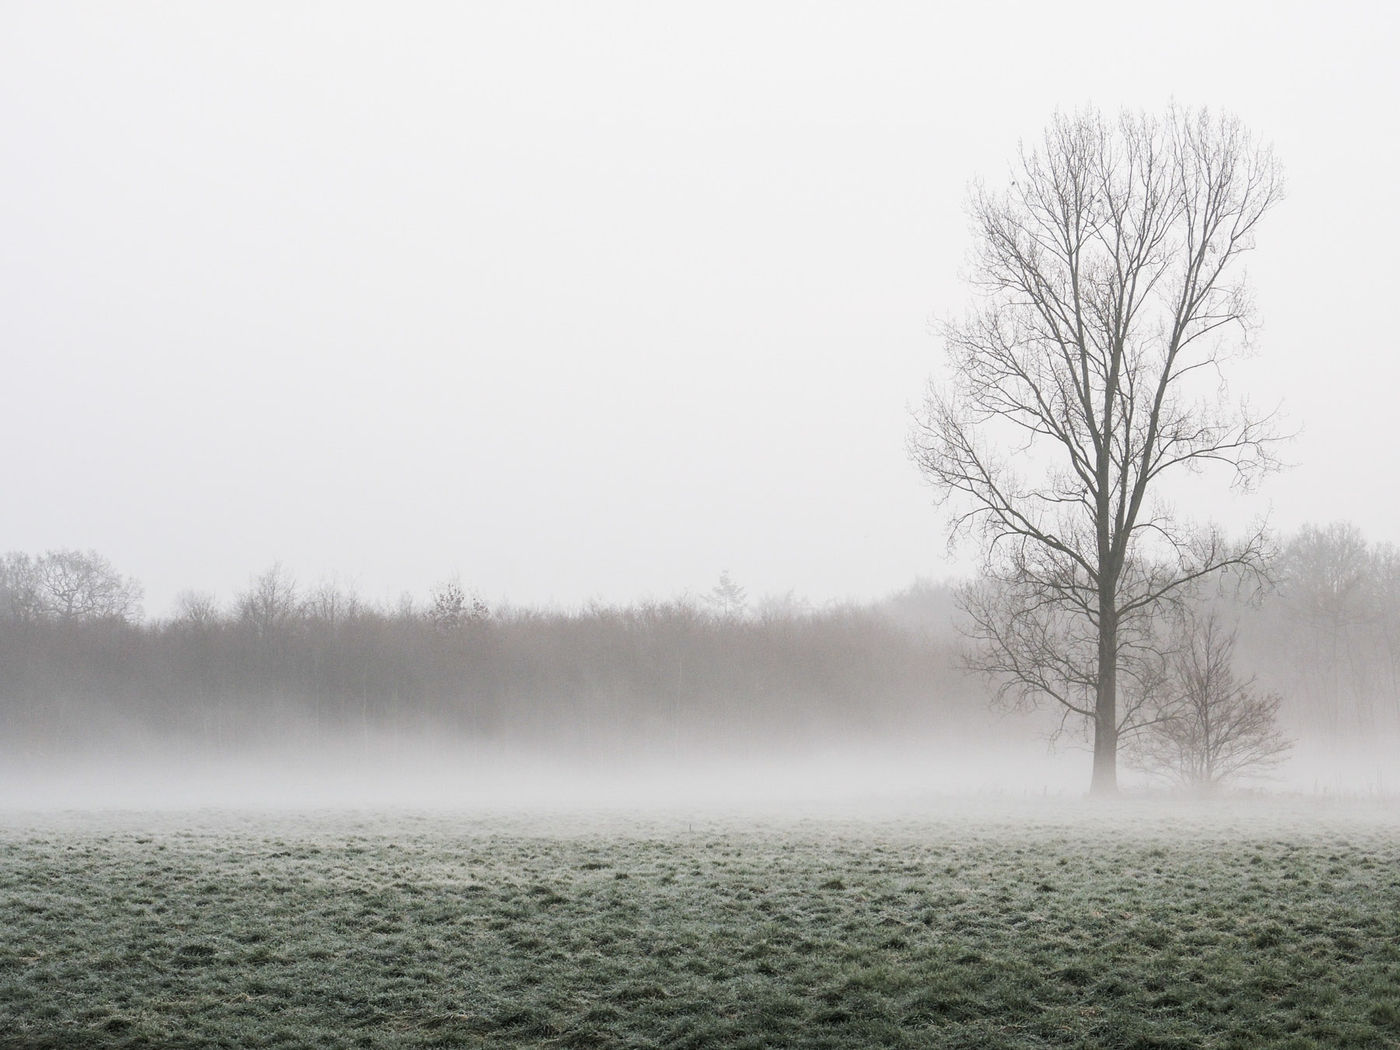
{"points": [[1074, 925]]}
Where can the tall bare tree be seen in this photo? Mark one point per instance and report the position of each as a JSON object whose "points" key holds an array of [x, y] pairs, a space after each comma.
{"points": [[1086, 376]]}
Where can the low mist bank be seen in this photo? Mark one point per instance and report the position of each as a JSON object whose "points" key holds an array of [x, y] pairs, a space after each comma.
{"points": [[851, 776], [431, 775]]}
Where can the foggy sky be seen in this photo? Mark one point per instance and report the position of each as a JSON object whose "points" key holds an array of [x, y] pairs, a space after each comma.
{"points": [[599, 300]]}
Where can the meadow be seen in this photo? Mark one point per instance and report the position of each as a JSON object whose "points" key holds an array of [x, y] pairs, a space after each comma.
{"points": [[1063, 924]]}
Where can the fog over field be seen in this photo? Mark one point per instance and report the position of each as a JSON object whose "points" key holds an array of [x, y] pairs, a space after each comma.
{"points": [[394, 774], [869, 785], [872, 780]]}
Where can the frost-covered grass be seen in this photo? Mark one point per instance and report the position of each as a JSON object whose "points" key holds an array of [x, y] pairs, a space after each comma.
{"points": [[1101, 926]]}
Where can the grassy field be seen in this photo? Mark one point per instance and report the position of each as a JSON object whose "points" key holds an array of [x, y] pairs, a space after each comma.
{"points": [[1123, 925]]}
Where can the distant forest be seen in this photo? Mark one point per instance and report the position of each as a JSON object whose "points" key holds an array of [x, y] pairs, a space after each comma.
{"points": [[81, 668]]}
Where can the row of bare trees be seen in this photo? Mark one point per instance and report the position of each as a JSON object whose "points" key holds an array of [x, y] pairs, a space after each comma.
{"points": [[279, 662], [1330, 635]]}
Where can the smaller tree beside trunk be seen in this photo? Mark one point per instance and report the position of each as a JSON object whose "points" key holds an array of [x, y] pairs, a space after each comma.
{"points": [[1212, 725]]}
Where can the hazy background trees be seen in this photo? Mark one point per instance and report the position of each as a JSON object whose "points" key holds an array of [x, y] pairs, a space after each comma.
{"points": [[672, 679], [1329, 641], [661, 679], [1086, 378]]}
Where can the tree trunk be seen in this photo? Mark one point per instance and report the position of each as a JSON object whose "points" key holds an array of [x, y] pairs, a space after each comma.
{"points": [[1105, 780]]}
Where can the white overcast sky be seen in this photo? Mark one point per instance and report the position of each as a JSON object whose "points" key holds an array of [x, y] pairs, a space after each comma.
{"points": [[594, 300]]}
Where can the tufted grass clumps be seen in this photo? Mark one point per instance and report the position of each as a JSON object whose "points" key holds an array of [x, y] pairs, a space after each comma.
{"points": [[1112, 927]]}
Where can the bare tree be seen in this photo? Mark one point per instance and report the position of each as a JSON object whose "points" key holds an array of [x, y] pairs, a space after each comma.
{"points": [[196, 610], [269, 602], [450, 606], [67, 586], [331, 604], [1088, 375], [1213, 725], [727, 598]]}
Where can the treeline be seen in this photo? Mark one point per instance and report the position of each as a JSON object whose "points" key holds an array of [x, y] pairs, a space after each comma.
{"points": [[671, 678], [80, 666], [1328, 638]]}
